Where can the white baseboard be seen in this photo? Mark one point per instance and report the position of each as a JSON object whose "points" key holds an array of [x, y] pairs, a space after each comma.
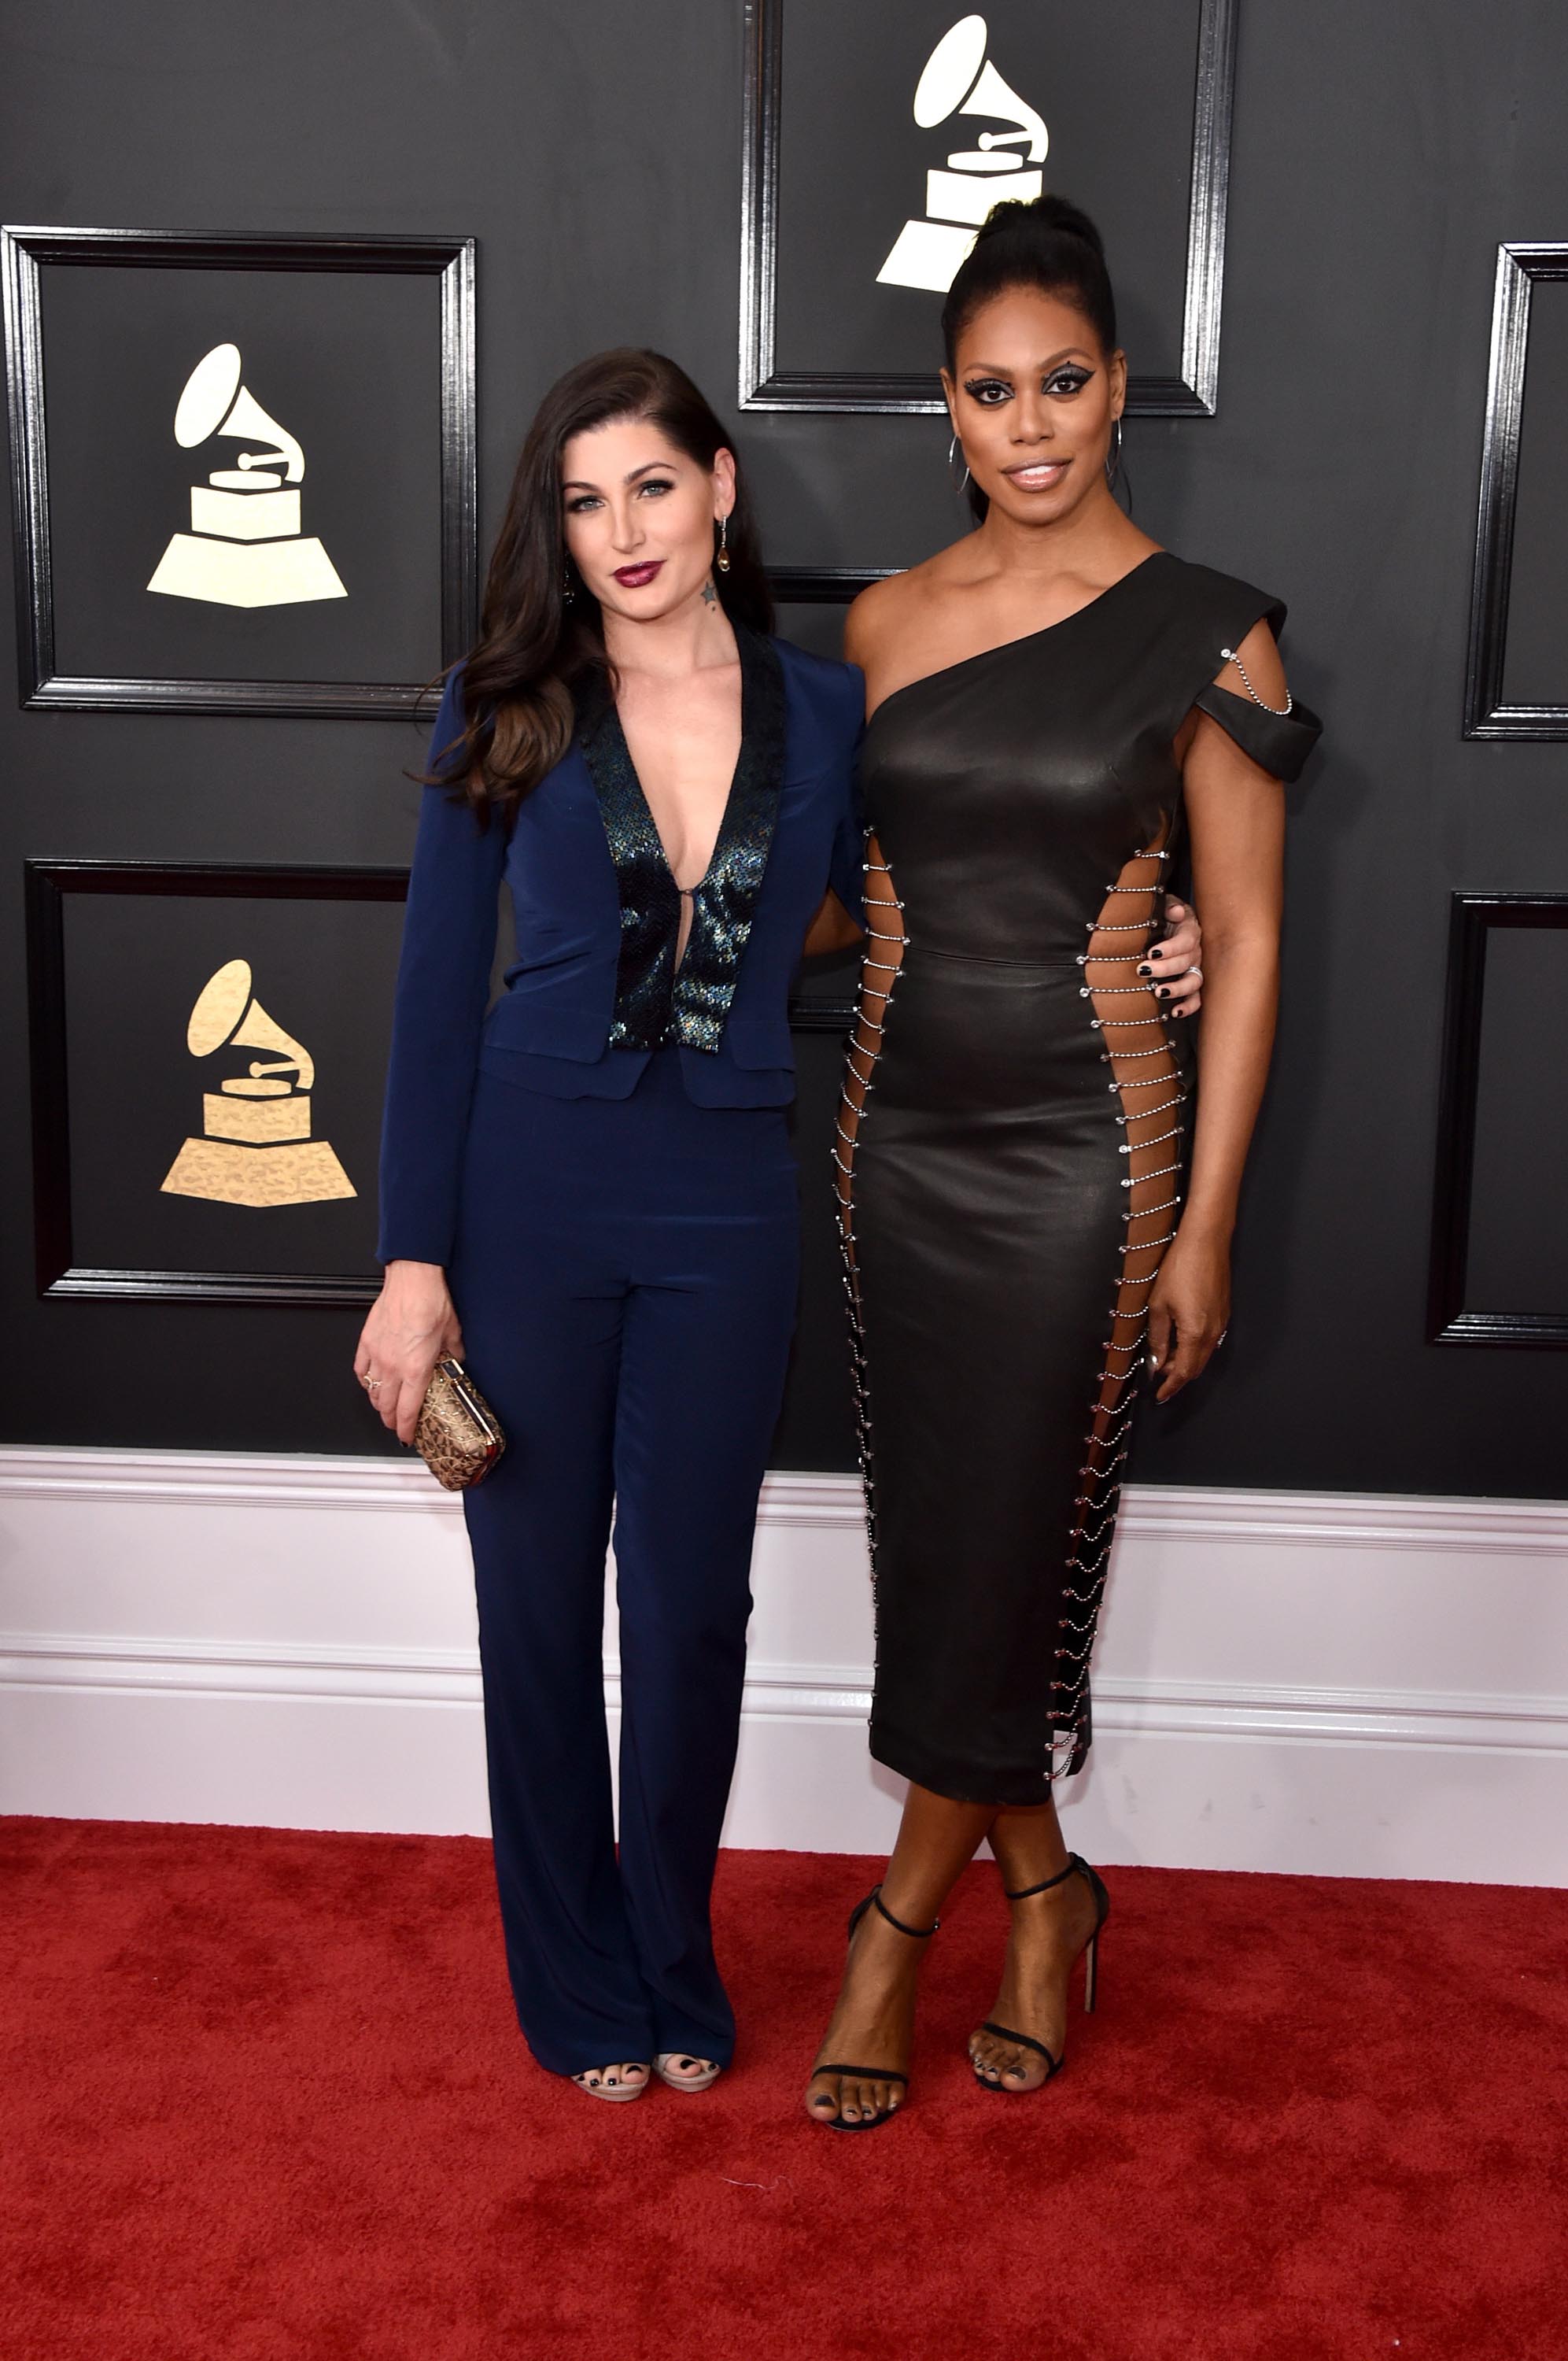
{"points": [[1338, 1683]]}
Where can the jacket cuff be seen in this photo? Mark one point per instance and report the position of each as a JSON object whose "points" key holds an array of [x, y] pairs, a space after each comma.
{"points": [[396, 1248]]}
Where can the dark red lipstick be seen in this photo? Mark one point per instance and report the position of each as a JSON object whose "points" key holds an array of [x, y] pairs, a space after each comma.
{"points": [[637, 577]]}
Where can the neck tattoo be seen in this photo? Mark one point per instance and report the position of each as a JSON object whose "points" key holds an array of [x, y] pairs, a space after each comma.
{"points": [[709, 595]]}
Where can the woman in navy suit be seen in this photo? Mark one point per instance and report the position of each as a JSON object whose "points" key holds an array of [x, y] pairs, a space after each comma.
{"points": [[589, 1193]]}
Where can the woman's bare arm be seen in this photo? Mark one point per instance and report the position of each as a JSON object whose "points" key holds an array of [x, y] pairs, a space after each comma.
{"points": [[832, 930], [870, 613], [1236, 819]]}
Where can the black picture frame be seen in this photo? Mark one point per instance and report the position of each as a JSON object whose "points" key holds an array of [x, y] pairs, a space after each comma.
{"points": [[1486, 714], [23, 251], [825, 586], [47, 884], [1450, 1321], [809, 1015], [764, 384]]}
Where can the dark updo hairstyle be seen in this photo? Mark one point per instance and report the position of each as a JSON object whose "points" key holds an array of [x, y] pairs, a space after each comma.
{"points": [[1048, 245], [539, 650]]}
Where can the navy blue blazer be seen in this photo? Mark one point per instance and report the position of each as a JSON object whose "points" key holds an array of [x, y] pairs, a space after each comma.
{"points": [[592, 990]]}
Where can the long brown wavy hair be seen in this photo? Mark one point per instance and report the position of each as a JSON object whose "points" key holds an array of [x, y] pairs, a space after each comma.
{"points": [[537, 651]]}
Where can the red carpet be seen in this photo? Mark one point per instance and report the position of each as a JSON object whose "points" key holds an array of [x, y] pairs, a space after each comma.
{"points": [[263, 2099]]}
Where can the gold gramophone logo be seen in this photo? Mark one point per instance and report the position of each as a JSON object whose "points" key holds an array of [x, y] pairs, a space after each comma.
{"points": [[256, 1147], [959, 79], [244, 547]]}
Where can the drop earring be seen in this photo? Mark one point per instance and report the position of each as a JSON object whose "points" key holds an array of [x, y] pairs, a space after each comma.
{"points": [[568, 592], [722, 559]]}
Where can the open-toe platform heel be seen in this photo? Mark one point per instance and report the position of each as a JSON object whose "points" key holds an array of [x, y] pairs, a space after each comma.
{"points": [[872, 2073], [1076, 1867], [620, 2094], [666, 2061]]}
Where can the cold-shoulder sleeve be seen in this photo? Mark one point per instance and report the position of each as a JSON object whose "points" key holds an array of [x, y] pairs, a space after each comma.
{"points": [[1277, 742], [1222, 611], [444, 974]]}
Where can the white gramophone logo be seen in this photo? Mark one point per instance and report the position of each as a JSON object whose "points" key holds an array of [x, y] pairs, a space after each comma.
{"points": [[244, 547], [256, 1147], [960, 80]]}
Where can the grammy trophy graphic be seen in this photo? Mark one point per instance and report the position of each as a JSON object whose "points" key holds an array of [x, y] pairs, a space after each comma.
{"points": [[959, 79], [256, 1147], [244, 547]]}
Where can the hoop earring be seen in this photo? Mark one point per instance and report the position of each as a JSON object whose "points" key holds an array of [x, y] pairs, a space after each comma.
{"points": [[952, 451], [722, 559], [1114, 458]]}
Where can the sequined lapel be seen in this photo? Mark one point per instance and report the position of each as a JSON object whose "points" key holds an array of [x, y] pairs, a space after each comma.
{"points": [[652, 1003], [725, 903], [650, 904]]}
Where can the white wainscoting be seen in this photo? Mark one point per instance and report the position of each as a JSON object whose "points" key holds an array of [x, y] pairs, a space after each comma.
{"points": [[1346, 1684]]}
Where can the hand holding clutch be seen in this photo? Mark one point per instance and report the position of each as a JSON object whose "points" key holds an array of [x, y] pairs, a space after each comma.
{"points": [[458, 1435]]}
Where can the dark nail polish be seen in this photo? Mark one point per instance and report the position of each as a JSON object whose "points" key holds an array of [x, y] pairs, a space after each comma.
{"points": [[1146, 969], [1162, 992]]}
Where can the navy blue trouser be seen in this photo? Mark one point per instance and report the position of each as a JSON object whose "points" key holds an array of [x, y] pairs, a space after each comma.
{"points": [[625, 1273]]}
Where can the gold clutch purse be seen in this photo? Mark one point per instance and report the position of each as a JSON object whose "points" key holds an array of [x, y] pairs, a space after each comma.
{"points": [[458, 1435]]}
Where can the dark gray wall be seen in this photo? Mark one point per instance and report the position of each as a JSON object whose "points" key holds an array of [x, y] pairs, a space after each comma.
{"points": [[593, 149]]}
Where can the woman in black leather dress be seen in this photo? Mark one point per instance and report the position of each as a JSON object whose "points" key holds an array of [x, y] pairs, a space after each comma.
{"points": [[1054, 703]]}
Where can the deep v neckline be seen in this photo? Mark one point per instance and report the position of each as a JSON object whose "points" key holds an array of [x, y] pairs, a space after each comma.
{"points": [[657, 1001], [634, 781]]}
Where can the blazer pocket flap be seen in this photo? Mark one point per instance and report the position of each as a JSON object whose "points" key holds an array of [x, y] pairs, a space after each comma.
{"points": [[547, 1027], [759, 1044]]}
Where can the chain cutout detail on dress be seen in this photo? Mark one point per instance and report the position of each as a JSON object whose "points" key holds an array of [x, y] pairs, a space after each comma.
{"points": [[879, 973], [1022, 799], [1147, 1080]]}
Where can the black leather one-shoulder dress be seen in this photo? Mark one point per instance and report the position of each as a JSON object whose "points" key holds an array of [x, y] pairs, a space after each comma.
{"points": [[1011, 1151]]}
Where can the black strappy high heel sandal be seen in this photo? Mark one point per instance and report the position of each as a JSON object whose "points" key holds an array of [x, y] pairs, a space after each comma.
{"points": [[872, 2073], [1075, 1867]]}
